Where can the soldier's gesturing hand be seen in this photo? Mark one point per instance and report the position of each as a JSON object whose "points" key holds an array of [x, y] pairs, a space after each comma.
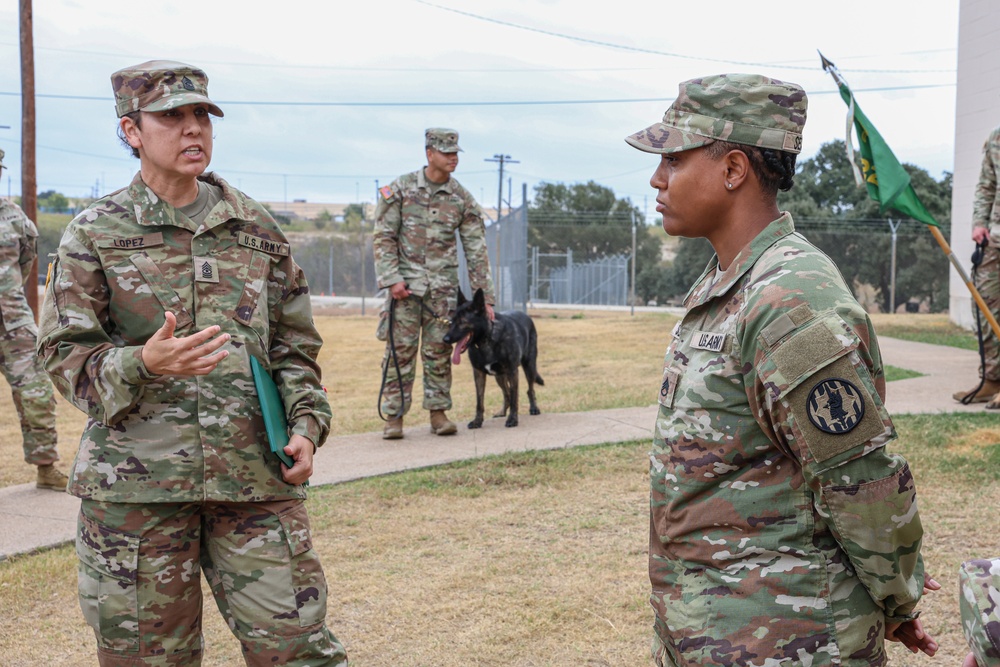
{"points": [[197, 354]]}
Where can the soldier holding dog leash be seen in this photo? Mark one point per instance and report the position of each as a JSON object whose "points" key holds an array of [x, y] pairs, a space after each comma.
{"points": [[986, 275], [416, 260]]}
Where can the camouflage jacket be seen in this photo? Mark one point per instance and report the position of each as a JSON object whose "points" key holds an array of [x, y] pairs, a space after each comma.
{"points": [[121, 264], [415, 225], [985, 207], [780, 525], [18, 240], [979, 605]]}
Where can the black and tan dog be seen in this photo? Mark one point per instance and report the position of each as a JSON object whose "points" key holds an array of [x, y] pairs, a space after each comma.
{"points": [[496, 348]]}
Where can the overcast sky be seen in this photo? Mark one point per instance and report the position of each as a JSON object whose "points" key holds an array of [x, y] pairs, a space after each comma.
{"points": [[323, 99]]}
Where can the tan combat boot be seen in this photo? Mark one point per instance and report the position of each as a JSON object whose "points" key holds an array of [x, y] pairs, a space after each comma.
{"points": [[989, 389], [393, 429], [441, 425], [50, 477]]}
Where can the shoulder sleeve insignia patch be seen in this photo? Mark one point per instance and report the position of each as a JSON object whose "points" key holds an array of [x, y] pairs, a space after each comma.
{"points": [[386, 192], [835, 406]]}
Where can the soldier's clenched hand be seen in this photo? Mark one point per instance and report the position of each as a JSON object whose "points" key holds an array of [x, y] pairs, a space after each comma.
{"points": [[197, 354], [300, 449]]}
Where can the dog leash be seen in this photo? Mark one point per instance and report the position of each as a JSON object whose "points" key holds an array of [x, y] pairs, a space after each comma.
{"points": [[977, 259], [395, 360]]}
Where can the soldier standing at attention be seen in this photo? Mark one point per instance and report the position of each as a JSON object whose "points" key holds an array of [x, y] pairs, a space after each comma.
{"points": [[986, 230], [416, 259], [29, 385], [782, 531], [158, 297]]}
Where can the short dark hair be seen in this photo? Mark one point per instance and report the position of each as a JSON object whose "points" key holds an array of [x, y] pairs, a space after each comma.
{"points": [[136, 117], [775, 170]]}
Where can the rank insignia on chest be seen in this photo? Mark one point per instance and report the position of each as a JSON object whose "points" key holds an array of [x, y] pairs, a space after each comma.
{"points": [[206, 270], [712, 341], [835, 406]]}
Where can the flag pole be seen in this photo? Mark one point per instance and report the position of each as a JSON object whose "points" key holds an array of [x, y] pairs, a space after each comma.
{"points": [[935, 231], [939, 237]]}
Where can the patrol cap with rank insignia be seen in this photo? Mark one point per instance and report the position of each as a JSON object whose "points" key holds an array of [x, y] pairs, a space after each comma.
{"points": [[739, 108], [158, 85], [441, 139]]}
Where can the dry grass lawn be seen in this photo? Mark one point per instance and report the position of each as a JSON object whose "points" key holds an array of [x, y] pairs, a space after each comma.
{"points": [[588, 361], [530, 559]]}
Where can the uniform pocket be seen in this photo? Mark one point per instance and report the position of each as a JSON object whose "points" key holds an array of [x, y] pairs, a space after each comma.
{"points": [[159, 286], [308, 581], [107, 584], [253, 288]]}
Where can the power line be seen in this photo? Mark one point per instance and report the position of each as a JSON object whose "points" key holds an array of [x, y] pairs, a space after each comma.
{"points": [[469, 103], [636, 49]]}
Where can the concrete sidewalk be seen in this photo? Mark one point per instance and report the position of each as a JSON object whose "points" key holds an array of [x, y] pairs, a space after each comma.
{"points": [[31, 519]]}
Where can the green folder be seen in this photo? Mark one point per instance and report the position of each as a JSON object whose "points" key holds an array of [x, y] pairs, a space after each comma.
{"points": [[273, 409]]}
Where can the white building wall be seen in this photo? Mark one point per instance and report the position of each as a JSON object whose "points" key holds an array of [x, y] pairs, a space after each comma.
{"points": [[977, 111]]}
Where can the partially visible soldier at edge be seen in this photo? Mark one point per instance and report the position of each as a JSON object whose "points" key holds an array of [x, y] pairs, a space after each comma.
{"points": [[416, 260], [159, 296], [782, 531], [986, 277], [30, 386]]}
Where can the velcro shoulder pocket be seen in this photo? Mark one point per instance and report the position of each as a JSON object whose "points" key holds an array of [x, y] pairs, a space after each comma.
{"points": [[830, 394]]}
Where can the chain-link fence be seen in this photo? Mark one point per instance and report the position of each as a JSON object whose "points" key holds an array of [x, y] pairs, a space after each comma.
{"points": [[888, 269]]}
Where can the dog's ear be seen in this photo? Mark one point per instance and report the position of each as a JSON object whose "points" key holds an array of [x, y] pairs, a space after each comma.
{"points": [[461, 297], [478, 300]]}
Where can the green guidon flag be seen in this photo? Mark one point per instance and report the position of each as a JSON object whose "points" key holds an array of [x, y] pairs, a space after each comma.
{"points": [[886, 180]]}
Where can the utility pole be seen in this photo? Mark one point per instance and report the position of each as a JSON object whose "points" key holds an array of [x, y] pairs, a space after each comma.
{"points": [[498, 282], [29, 184], [502, 159]]}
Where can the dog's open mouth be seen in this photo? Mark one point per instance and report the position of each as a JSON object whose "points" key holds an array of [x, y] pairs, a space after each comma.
{"points": [[460, 346]]}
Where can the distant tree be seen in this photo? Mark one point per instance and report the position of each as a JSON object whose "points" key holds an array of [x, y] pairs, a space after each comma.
{"points": [[838, 216], [53, 201], [590, 220], [323, 219]]}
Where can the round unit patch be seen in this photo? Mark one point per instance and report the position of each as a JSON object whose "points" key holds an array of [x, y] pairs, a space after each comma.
{"points": [[835, 406]]}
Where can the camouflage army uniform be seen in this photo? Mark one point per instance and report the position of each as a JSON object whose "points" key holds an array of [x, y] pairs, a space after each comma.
{"points": [[986, 214], [30, 386], [173, 470], [415, 225], [979, 603], [783, 532]]}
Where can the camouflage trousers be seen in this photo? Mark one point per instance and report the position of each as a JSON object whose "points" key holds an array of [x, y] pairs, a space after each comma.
{"points": [[140, 582], [414, 327], [32, 393], [987, 280]]}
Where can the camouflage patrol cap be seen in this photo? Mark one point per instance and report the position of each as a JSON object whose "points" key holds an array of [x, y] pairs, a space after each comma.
{"points": [[739, 108], [442, 139], [157, 85], [979, 603]]}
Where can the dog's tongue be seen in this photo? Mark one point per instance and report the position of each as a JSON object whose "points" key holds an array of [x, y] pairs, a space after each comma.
{"points": [[456, 355]]}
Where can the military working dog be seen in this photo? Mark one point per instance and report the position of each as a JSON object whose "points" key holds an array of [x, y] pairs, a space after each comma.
{"points": [[496, 348]]}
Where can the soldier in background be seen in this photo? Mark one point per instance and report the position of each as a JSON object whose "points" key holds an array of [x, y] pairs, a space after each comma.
{"points": [[30, 386], [158, 297], [986, 276], [782, 531], [416, 260]]}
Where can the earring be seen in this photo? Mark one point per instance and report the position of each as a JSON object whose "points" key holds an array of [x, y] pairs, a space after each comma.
{"points": [[729, 185]]}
